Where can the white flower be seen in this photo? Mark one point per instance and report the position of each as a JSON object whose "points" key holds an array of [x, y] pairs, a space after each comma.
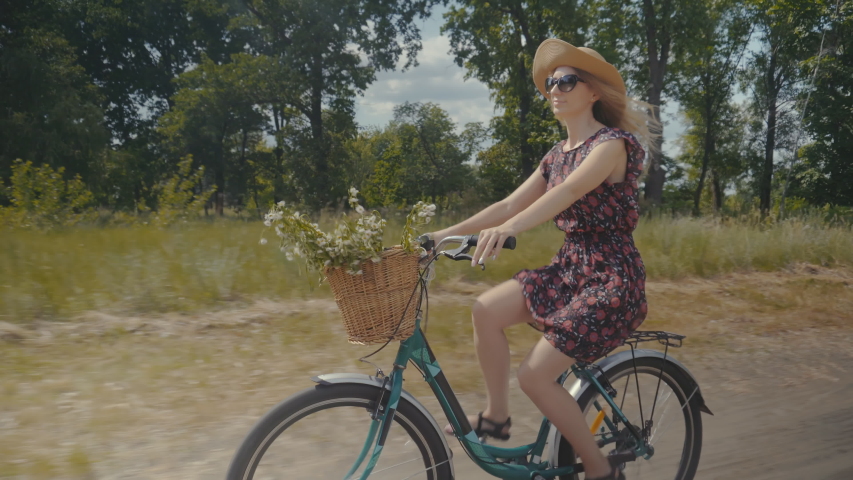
{"points": [[360, 209], [267, 223], [353, 192], [289, 256], [263, 241]]}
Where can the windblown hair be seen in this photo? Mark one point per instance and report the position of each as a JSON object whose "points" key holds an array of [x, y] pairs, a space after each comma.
{"points": [[615, 109]]}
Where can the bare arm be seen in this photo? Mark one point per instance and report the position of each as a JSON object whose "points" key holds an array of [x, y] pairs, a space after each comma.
{"points": [[591, 173], [499, 212]]}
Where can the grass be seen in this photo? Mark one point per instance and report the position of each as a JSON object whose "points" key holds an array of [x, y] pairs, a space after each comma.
{"points": [[146, 270]]}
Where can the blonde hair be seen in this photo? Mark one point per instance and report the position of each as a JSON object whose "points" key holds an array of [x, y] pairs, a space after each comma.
{"points": [[615, 109]]}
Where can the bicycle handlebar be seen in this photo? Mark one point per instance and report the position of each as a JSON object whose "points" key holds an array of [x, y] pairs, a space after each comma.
{"points": [[467, 242]]}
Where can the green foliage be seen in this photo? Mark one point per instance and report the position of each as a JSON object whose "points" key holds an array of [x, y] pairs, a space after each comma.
{"points": [[419, 155], [824, 176], [317, 50], [262, 94], [496, 42], [178, 199], [49, 109], [42, 199], [134, 51], [216, 119], [498, 171]]}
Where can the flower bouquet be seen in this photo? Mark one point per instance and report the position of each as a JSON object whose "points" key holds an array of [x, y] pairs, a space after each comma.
{"points": [[374, 287]]}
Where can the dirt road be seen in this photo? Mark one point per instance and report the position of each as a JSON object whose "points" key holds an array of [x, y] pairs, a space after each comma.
{"points": [[171, 397]]}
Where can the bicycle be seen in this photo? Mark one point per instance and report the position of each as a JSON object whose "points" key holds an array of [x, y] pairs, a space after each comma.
{"points": [[400, 430]]}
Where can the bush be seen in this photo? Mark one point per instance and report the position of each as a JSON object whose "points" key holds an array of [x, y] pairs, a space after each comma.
{"points": [[43, 199], [176, 199]]}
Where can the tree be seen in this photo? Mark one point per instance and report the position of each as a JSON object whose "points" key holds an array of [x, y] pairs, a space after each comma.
{"points": [[49, 109], [327, 53], [731, 155], [419, 156], [497, 172], [496, 42], [773, 76], [824, 175], [660, 30], [133, 51], [707, 75], [217, 120]]}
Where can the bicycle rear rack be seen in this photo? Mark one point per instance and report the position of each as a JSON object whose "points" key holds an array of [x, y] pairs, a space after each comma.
{"points": [[664, 338]]}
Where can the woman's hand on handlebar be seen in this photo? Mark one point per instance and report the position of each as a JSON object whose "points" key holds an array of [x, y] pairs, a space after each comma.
{"points": [[490, 242]]}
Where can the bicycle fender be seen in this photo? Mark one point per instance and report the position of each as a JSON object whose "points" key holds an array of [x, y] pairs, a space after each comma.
{"points": [[360, 378], [579, 386]]}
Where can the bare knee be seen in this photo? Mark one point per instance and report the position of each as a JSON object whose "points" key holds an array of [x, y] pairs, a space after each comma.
{"points": [[500, 307], [529, 380], [480, 315]]}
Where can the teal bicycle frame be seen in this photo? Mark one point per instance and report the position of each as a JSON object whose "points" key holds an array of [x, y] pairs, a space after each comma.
{"points": [[517, 463]]}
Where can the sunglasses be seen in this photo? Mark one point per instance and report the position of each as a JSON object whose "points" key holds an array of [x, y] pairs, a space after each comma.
{"points": [[566, 83]]}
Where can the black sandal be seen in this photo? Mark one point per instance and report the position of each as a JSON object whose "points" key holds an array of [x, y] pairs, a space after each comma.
{"points": [[614, 474], [496, 430]]}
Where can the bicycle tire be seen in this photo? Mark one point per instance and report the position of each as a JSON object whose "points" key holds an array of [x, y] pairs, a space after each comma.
{"points": [[676, 380], [288, 413]]}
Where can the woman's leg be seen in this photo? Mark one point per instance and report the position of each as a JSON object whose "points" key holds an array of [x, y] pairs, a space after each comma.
{"points": [[495, 310], [537, 377]]}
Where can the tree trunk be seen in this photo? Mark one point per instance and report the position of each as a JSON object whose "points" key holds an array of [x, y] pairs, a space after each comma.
{"points": [[656, 37], [219, 175], [718, 192], [528, 162], [706, 156], [766, 181], [656, 176], [320, 185]]}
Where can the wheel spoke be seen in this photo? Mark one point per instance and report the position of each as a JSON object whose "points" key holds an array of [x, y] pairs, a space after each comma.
{"points": [[686, 403]]}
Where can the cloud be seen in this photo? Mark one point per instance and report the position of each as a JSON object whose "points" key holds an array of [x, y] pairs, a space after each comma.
{"points": [[436, 79], [439, 80]]}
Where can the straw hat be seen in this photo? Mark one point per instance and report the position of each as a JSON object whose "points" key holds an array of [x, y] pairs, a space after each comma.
{"points": [[553, 53]]}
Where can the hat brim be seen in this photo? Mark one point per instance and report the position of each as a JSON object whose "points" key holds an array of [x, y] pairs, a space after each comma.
{"points": [[553, 53]]}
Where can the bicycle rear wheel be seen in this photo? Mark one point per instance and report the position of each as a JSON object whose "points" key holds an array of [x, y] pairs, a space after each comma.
{"points": [[659, 397], [319, 433]]}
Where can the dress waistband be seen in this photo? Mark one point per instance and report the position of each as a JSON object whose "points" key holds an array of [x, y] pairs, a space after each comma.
{"points": [[599, 236]]}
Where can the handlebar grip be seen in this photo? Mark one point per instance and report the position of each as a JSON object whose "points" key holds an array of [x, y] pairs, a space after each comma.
{"points": [[509, 243]]}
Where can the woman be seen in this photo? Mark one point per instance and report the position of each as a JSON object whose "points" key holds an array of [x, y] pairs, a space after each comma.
{"points": [[591, 296]]}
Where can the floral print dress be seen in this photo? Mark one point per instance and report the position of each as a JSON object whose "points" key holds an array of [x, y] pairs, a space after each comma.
{"points": [[592, 295]]}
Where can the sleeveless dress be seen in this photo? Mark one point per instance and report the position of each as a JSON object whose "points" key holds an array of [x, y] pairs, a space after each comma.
{"points": [[592, 295]]}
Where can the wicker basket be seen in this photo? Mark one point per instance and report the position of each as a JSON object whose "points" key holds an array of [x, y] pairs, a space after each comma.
{"points": [[372, 303]]}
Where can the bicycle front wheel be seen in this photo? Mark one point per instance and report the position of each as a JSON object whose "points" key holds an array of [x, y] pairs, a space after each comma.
{"points": [[319, 434], [656, 397]]}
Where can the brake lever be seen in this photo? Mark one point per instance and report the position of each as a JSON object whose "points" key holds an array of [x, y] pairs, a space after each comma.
{"points": [[461, 253]]}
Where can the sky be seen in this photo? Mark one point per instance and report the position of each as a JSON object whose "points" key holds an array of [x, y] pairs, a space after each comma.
{"points": [[439, 80]]}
